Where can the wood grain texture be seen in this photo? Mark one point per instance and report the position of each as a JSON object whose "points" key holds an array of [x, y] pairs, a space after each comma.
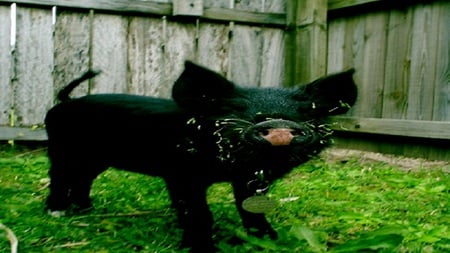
{"points": [[109, 53], [72, 50], [246, 48], [397, 67], [306, 41], [336, 45], [180, 45], [339, 4], [165, 8], [373, 59], [33, 82], [155, 7], [411, 128], [145, 56], [272, 58], [214, 47], [399, 146], [244, 16], [22, 134], [268, 6], [441, 107], [6, 92], [187, 7]]}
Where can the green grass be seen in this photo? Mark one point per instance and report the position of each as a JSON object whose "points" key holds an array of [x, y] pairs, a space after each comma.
{"points": [[325, 206]]}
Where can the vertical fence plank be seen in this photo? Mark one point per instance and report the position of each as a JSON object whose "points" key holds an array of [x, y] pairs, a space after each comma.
{"points": [[275, 6], [215, 41], [257, 56], [272, 58], [246, 49], [441, 105], [306, 41], [423, 58], [366, 52], [340, 51], [109, 53], [214, 47], [336, 45], [354, 44], [311, 54], [249, 5], [348, 48], [180, 46], [374, 38], [273, 50], [6, 92], [72, 49], [397, 64], [34, 64], [290, 59], [145, 56], [311, 40]]}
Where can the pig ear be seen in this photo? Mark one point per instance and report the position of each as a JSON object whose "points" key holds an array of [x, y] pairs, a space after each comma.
{"points": [[198, 87], [333, 94]]}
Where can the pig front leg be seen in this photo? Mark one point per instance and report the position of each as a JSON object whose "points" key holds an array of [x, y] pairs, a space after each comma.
{"points": [[194, 215], [255, 223]]}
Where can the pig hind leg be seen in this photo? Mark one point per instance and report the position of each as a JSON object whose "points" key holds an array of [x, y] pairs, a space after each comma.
{"points": [[58, 198], [70, 185]]}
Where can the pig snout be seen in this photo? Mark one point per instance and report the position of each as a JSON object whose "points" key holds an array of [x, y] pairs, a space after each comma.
{"points": [[279, 133], [278, 136]]}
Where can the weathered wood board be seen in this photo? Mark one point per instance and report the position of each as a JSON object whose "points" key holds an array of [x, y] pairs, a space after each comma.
{"points": [[145, 57], [401, 60], [72, 50], [109, 53], [409, 128], [214, 47], [441, 107], [179, 45], [395, 91], [33, 59], [6, 92]]}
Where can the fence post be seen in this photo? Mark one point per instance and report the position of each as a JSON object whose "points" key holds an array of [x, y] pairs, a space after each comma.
{"points": [[306, 43]]}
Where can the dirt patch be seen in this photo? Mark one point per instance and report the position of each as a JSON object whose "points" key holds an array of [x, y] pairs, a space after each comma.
{"points": [[336, 154]]}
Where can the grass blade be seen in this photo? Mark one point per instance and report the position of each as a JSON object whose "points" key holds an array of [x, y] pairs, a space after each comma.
{"points": [[304, 233]]}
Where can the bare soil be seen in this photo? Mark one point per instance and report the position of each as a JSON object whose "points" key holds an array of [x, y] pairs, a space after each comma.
{"points": [[336, 154]]}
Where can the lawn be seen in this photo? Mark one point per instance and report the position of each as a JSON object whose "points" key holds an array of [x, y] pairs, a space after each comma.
{"points": [[329, 204]]}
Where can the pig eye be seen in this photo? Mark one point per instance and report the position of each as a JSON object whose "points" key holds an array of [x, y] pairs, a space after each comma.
{"points": [[299, 133], [260, 118]]}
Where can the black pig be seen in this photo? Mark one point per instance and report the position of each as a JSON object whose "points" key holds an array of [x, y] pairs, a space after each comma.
{"points": [[211, 131]]}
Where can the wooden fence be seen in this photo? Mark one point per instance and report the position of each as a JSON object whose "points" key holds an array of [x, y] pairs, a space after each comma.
{"points": [[400, 52]]}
